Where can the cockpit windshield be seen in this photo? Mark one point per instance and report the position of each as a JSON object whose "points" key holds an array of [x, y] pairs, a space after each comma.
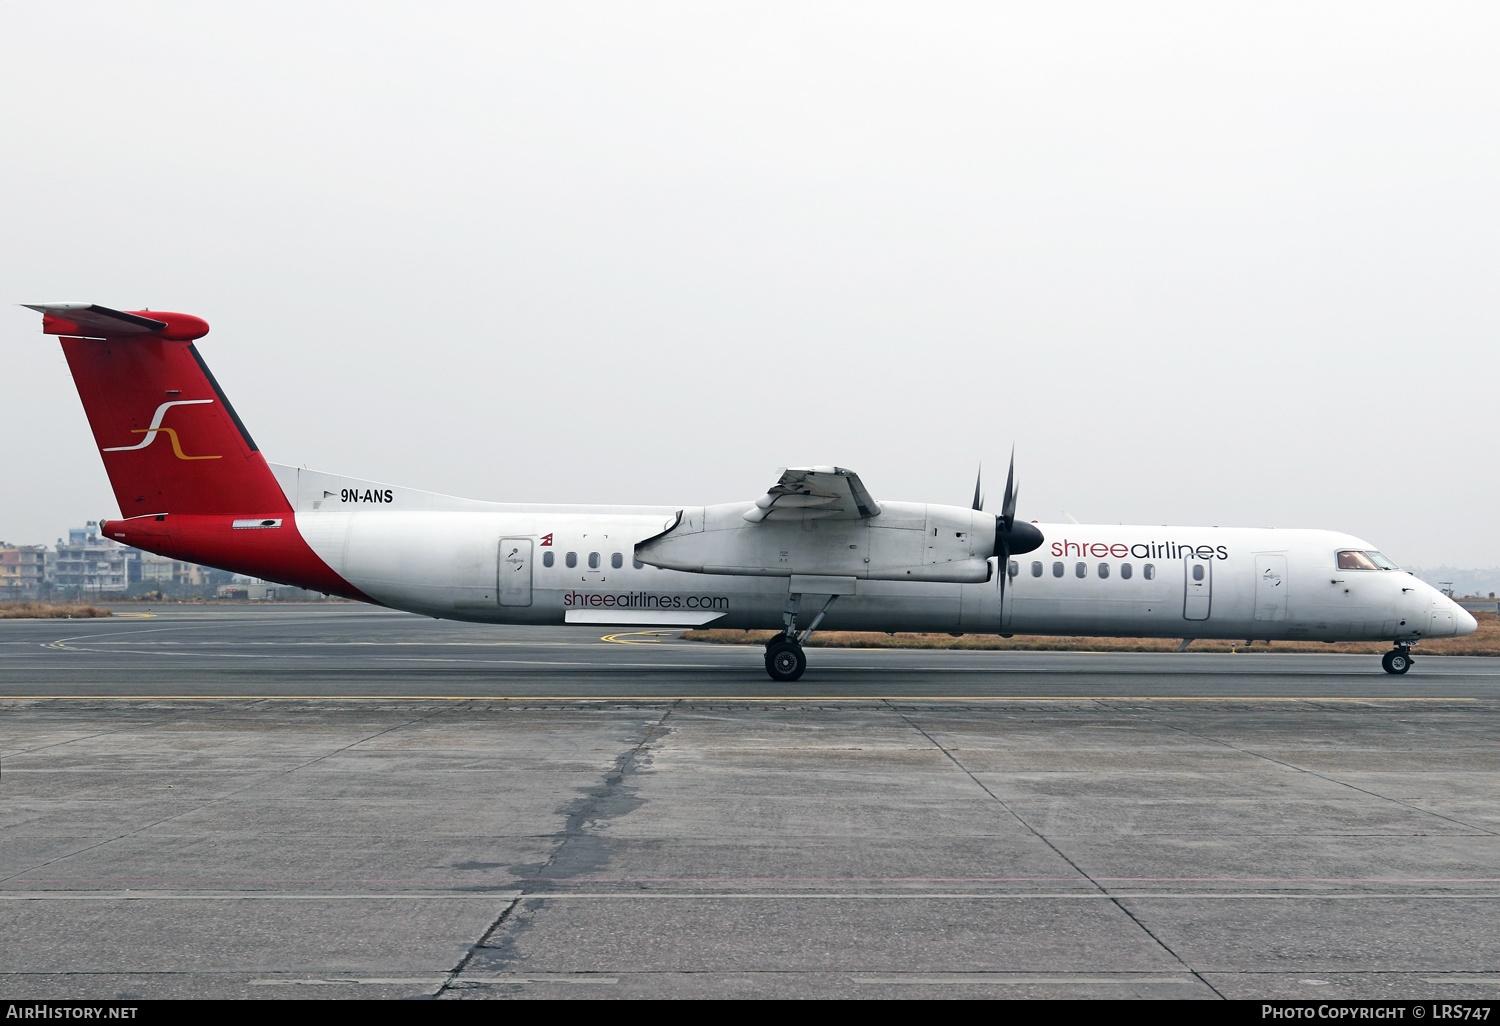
{"points": [[1353, 559]]}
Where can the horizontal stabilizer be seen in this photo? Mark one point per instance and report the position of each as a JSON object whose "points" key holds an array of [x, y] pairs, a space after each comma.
{"points": [[89, 320]]}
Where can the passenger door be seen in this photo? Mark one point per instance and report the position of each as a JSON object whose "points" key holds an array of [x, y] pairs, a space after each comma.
{"points": [[1270, 586], [515, 572], [1198, 584]]}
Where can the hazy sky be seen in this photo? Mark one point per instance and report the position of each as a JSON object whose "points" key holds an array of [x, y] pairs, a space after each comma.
{"points": [[1202, 263]]}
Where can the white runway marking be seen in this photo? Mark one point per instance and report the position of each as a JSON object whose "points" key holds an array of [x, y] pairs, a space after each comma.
{"points": [[429, 981], [251, 896], [503, 896], [1013, 980], [1049, 896]]}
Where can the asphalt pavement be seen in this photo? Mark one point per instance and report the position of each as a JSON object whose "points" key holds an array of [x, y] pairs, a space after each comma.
{"points": [[348, 650]]}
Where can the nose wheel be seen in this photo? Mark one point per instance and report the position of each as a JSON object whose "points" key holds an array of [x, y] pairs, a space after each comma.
{"points": [[1396, 661], [784, 659]]}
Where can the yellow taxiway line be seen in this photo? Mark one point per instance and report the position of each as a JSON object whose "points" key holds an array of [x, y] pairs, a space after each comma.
{"points": [[654, 637]]}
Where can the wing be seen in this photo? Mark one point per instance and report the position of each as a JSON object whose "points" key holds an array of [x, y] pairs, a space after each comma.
{"points": [[804, 493]]}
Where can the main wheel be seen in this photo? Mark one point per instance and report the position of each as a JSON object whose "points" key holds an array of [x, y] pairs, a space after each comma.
{"points": [[785, 661], [1397, 661]]}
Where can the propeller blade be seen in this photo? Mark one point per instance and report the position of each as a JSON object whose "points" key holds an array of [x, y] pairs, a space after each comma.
{"points": [[978, 495], [1004, 568], [1012, 537], [1008, 506]]}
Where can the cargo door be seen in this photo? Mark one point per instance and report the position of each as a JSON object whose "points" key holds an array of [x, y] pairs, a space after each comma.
{"points": [[515, 572], [1198, 587], [1270, 586]]}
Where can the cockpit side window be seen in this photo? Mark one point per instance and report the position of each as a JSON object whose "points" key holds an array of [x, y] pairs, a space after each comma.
{"points": [[1353, 559]]}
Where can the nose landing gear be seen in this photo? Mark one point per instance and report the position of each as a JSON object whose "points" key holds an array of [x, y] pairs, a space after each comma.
{"points": [[1396, 661]]}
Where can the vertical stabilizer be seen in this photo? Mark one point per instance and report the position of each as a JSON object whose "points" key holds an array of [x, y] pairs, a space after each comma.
{"points": [[170, 440], [189, 479]]}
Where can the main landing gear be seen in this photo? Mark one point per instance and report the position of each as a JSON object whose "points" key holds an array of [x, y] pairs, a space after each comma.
{"points": [[785, 660], [1397, 661]]}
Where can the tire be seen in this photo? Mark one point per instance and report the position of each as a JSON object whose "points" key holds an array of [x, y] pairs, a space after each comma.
{"points": [[785, 661], [1396, 662]]}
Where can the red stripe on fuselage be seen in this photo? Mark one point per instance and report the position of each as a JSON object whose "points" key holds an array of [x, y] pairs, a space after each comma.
{"points": [[277, 554]]}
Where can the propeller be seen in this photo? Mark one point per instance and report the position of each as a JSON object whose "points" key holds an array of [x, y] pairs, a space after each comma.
{"points": [[1011, 538], [978, 495]]}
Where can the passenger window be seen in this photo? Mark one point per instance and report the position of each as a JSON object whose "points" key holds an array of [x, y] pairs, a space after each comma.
{"points": [[1103, 569], [571, 559], [617, 561], [1057, 569], [1125, 571], [1353, 559], [593, 560], [1013, 569], [637, 563], [548, 558], [1081, 569], [1149, 571], [1197, 571], [1036, 568]]}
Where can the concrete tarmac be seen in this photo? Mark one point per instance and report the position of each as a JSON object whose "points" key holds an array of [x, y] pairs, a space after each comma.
{"points": [[339, 801]]}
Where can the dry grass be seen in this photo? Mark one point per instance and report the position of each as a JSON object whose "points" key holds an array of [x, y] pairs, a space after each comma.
{"points": [[1483, 642], [48, 611]]}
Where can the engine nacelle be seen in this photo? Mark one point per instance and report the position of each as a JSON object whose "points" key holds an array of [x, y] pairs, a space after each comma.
{"points": [[906, 541]]}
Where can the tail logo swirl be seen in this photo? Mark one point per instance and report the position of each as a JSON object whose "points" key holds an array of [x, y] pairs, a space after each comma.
{"points": [[156, 428]]}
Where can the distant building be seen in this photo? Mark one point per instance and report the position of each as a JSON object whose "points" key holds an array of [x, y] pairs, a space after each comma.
{"points": [[160, 570], [255, 591], [87, 565], [23, 571]]}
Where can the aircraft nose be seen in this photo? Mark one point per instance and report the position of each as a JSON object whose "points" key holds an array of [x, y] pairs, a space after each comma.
{"points": [[1465, 621]]}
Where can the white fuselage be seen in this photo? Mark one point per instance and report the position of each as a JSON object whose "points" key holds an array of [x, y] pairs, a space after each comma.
{"points": [[512, 563]]}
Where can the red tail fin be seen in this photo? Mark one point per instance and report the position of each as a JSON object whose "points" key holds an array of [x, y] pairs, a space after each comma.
{"points": [[187, 474], [171, 442]]}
